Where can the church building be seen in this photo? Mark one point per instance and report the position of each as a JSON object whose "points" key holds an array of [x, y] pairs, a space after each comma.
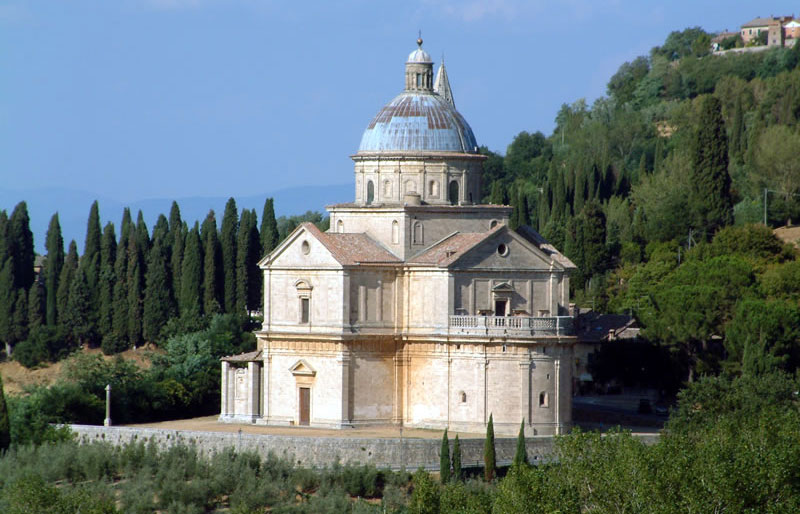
{"points": [[419, 307]]}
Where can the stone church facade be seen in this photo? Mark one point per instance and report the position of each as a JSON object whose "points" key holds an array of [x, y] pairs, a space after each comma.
{"points": [[418, 307]]}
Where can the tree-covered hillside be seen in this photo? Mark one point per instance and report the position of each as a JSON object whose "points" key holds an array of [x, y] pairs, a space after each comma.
{"points": [[647, 163]]}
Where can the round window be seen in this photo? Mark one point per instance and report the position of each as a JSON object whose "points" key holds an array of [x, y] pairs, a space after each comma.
{"points": [[502, 250], [305, 247]]}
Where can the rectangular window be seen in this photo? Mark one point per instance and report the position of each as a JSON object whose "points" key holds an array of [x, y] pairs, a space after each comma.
{"points": [[304, 310]]}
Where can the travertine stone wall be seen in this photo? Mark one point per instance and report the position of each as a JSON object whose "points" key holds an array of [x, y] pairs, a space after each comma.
{"points": [[318, 452]]}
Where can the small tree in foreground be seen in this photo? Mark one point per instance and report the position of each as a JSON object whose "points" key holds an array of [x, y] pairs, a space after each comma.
{"points": [[444, 459], [488, 452], [457, 459], [521, 456]]}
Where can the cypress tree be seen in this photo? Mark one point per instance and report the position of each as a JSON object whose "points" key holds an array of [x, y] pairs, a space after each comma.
{"points": [[5, 425], [65, 279], [90, 260], [228, 240], [19, 320], [191, 293], [489, 463], [79, 319], [117, 340], [248, 278], [457, 459], [497, 195], [142, 235], [161, 231], [444, 459], [20, 246], [579, 198], [211, 265], [105, 286], [135, 282], [36, 306], [177, 229], [269, 228], [738, 139], [657, 155], [7, 304], [125, 227], [159, 305], [52, 268], [710, 197], [521, 455]]}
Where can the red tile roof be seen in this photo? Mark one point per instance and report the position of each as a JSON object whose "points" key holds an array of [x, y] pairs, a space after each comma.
{"points": [[352, 249]]}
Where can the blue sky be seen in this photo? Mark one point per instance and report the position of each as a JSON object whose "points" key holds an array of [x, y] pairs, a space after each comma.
{"points": [[135, 99]]}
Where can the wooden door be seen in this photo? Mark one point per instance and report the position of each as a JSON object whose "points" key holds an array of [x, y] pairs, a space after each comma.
{"points": [[305, 405]]}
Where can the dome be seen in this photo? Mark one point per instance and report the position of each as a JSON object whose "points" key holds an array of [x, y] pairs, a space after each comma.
{"points": [[418, 122], [419, 55]]}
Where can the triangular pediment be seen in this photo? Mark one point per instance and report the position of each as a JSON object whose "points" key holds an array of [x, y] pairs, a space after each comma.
{"points": [[302, 248], [503, 287], [302, 368], [505, 249]]}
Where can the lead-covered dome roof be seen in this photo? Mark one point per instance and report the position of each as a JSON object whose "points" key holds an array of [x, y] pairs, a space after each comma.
{"points": [[418, 122]]}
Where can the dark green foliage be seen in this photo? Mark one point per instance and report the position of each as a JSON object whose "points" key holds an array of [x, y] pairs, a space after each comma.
{"points": [[36, 305], [117, 339], [20, 246], [286, 225], [489, 460], [5, 427], [521, 215], [521, 454], [764, 336], [191, 296], [444, 459], [7, 302], [159, 304], [52, 267], [710, 194], [212, 257], [269, 228], [497, 196], [43, 344], [141, 233], [68, 272], [228, 244], [692, 41], [135, 288], [106, 281], [248, 276], [177, 230], [78, 318], [624, 82], [457, 473], [90, 260]]}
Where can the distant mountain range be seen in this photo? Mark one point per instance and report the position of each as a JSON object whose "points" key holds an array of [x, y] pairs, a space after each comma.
{"points": [[73, 207]]}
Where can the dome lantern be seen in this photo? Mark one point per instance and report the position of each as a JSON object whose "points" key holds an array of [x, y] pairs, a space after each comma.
{"points": [[419, 70]]}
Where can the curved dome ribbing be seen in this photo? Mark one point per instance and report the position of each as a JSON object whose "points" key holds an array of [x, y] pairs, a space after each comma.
{"points": [[418, 122]]}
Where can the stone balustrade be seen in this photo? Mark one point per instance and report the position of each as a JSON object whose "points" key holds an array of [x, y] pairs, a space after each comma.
{"points": [[512, 325]]}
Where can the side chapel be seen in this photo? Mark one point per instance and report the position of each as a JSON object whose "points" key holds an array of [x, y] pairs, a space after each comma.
{"points": [[419, 306]]}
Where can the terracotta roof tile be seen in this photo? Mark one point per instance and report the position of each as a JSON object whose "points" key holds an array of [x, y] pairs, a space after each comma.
{"points": [[352, 249], [451, 248]]}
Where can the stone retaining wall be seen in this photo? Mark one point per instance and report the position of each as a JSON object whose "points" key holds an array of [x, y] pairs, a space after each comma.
{"points": [[317, 452]]}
